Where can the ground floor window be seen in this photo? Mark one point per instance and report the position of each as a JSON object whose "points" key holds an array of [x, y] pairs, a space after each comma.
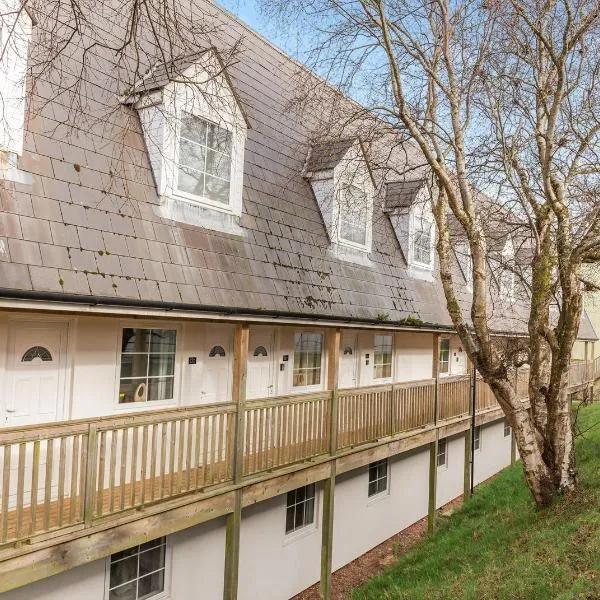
{"points": [[507, 431], [147, 365], [300, 509], [378, 477], [477, 438], [444, 362], [138, 573], [442, 458], [308, 350], [383, 357]]}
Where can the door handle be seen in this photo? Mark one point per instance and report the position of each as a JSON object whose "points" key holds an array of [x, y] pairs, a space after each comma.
{"points": [[11, 410]]}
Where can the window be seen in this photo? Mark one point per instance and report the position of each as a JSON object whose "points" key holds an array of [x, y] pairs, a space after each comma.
{"points": [[300, 510], [441, 454], [383, 356], [348, 351], [138, 573], [217, 351], [507, 430], [307, 359], [378, 477], [444, 355], [147, 365], [260, 351], [204, 168], [421, 250], [477, 438], [354, 208], [37, 352]]}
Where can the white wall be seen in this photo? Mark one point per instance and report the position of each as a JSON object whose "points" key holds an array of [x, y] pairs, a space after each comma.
{"points": [[361, 523], [413, 356], [273, 565], [494, 452], [450, 478]]}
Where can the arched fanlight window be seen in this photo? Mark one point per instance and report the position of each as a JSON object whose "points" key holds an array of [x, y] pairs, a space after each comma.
{"points": [[37, 352], [260, 351], [216, 351], [348, 350]]}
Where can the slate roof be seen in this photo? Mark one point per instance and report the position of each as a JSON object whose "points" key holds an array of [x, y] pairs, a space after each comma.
{"points": [[87, 226], [401, 194], [324, 156]]}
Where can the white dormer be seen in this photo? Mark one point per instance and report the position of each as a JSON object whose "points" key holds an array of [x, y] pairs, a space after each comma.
{"points": [[195, 132], [506, 274], [15, 34], [408, 207], [343, 187]]}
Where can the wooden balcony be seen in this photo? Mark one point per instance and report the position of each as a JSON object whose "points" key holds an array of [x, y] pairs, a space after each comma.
{"points": [[64, 478]]}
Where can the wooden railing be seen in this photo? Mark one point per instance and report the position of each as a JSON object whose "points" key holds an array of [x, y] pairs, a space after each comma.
{"points": [[72, 475]]}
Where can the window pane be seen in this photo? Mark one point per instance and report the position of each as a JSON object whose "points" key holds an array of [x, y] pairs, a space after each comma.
{"points": [[192, 155], [162, 364], [152, 560], [193, 128], [309, 511], [219, 139], [190, 182], [125, 592], [163, 340], [160, 388], [134, 365], [135, 340], [218, 164], [152, 544], [217, 189], [123, 570], [151, 584], [289, 518], [132, 390]]}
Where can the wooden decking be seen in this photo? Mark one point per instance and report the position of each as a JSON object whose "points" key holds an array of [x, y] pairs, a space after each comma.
{"points": [[71, 476]]}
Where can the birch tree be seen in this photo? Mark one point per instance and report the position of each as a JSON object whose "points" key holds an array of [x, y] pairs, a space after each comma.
{"points": [[499, 96]]}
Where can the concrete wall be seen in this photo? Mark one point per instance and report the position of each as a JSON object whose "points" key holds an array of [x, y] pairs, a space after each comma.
{"points": [[494, 452], [361, 523], [275, 565]]}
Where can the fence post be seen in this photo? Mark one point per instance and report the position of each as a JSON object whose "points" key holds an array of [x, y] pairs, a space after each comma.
{"points": [[90, 474], [433, 446], [333, 362], [234, 519]]}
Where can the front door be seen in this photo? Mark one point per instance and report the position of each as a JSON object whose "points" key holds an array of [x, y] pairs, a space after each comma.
{"points": [[348, 361], [36, 374], [260, 382]]}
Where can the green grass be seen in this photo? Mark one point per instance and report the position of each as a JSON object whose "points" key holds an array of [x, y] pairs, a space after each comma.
{"points": [[498, 546]]}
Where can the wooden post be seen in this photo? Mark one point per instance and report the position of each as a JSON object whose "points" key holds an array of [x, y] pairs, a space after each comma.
{"points": [[90, 475], [234, 519], [513, 447], [433, 446], [333, 363]]}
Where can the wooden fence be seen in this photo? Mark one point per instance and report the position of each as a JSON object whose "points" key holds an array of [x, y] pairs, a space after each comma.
{"points": [[70, 475]]}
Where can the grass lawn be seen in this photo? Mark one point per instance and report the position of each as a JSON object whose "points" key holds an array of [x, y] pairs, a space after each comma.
{"points": [[498, 546]]}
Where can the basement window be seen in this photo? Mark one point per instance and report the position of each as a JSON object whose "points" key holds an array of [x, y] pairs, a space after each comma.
{"points": [[300, 508], [147, 365], [477, 438], [507, 430], [139, 572], [442, 457], [378, 477]]}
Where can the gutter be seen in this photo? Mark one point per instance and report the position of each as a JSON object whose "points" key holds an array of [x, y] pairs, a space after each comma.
{"points": [[58, 301]]}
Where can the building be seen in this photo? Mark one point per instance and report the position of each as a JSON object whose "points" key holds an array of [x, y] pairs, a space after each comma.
{"points": [[225, 347]]}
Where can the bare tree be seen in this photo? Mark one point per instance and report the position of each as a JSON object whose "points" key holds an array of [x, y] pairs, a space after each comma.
{"points": [[499, 97]]}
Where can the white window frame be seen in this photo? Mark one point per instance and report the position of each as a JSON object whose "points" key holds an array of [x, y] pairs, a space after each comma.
{"points": [[366, 247], [311, 387], [193, 198], [306, 528], [442, 443], [420, 217], [375, 465], [391, 375], [477, 439], [440, 362], [507, 428], [166, 593], [148, 405]]}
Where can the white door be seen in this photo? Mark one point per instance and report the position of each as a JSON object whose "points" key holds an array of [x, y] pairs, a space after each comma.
{"points": [[36, 374], [216, 366], [260, 379], [349, 356], [459, 362]]}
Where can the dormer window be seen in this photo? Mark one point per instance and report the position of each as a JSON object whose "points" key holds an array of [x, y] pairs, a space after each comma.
{"points": [[421, 241], [354, 207], [195, 132], [204, 160], [341, 181]]}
